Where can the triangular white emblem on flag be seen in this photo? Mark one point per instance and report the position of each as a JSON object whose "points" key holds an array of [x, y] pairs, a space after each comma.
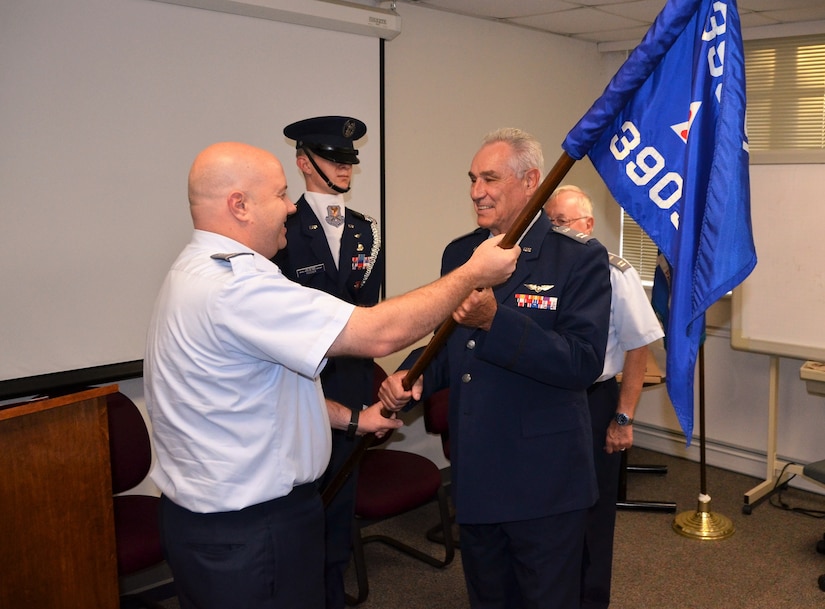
{"points": [[683, 129]]}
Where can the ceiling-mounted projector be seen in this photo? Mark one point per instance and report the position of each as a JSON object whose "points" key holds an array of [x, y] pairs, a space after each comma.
{"points": [[326, 14]]}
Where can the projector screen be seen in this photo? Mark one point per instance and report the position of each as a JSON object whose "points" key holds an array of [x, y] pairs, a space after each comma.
{"points": [[103, 106]]}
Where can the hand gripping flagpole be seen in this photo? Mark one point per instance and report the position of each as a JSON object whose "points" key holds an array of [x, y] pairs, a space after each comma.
{"points": [[520, 225]]}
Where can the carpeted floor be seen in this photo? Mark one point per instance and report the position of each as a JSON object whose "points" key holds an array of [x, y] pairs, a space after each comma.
{"points": [[769, 562]]}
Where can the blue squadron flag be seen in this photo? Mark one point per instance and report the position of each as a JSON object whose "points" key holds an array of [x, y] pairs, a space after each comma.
{"points": [[668, 138]]}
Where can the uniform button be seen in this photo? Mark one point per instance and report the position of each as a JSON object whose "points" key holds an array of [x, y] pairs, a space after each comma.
{"points": [[466, 377], [471, 344]]}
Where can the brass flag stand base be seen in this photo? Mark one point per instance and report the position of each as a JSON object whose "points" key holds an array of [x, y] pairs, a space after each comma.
{"points": [[703, 523]]}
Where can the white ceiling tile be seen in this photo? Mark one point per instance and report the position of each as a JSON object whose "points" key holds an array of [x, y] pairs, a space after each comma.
{"points": [[497, 9], [617, 21], [577, 21], [633, 33], [812, 13], [642, 10], [769, 5], [660, 3], [755, 20]]}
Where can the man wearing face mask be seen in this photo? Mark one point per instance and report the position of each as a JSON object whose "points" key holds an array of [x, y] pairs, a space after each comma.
{"points": [[333, 248]]}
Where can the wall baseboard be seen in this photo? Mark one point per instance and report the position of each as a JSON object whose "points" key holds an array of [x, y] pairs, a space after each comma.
{"points": [[717, 454]]}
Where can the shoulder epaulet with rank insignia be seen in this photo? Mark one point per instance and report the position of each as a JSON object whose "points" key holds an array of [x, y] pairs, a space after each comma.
{"points": [[361, 216], [573, 234], [619, 262], [228, 257], [475, 232]]}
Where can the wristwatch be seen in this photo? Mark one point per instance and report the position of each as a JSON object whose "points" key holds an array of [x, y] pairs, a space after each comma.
{"points": [[622, 419], [352, 428]]}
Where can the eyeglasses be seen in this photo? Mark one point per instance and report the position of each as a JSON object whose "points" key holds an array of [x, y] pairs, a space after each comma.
{"points": [[561, 222]]}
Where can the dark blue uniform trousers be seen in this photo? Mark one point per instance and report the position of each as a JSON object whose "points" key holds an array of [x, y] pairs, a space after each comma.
{"points": [[338, 520], [529, 564], [597, 562], [267, 555]]}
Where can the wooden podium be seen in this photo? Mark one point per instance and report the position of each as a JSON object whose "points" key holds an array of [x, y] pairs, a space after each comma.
{"points": [[57, 532]]}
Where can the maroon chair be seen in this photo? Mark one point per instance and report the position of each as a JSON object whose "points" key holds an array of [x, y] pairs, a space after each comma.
{"points": [[137, 531], [390, 483], [436, 411]]}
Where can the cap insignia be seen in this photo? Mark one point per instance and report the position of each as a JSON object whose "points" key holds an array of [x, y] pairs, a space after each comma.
{"points": [[349, 129]]}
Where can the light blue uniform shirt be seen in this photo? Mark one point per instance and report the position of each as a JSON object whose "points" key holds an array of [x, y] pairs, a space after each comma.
{"points": [[633, 323], [231, 370]]}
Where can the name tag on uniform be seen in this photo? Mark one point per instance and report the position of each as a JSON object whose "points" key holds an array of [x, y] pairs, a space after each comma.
{"points": [[310, 270], [536, 301]]}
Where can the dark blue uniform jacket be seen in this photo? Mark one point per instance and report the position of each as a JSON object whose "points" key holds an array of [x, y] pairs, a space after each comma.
{"points": [[519, 421]]}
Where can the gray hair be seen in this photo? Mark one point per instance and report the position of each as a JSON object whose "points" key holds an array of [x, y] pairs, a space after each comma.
{"points": [[583, 199], [527, 152]]}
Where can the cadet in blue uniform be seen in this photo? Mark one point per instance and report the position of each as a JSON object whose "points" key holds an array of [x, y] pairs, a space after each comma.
{"points": [[337, 250], [518, 366]]}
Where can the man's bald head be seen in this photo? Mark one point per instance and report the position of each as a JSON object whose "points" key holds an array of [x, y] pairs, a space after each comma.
{"points": [[225, 167], [230, 183]]}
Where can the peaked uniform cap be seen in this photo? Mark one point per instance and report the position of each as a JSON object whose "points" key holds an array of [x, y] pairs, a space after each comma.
{"points": [[330, 137]]}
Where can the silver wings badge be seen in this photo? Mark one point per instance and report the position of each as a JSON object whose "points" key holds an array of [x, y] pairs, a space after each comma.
{"points": [[538, 288]]}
